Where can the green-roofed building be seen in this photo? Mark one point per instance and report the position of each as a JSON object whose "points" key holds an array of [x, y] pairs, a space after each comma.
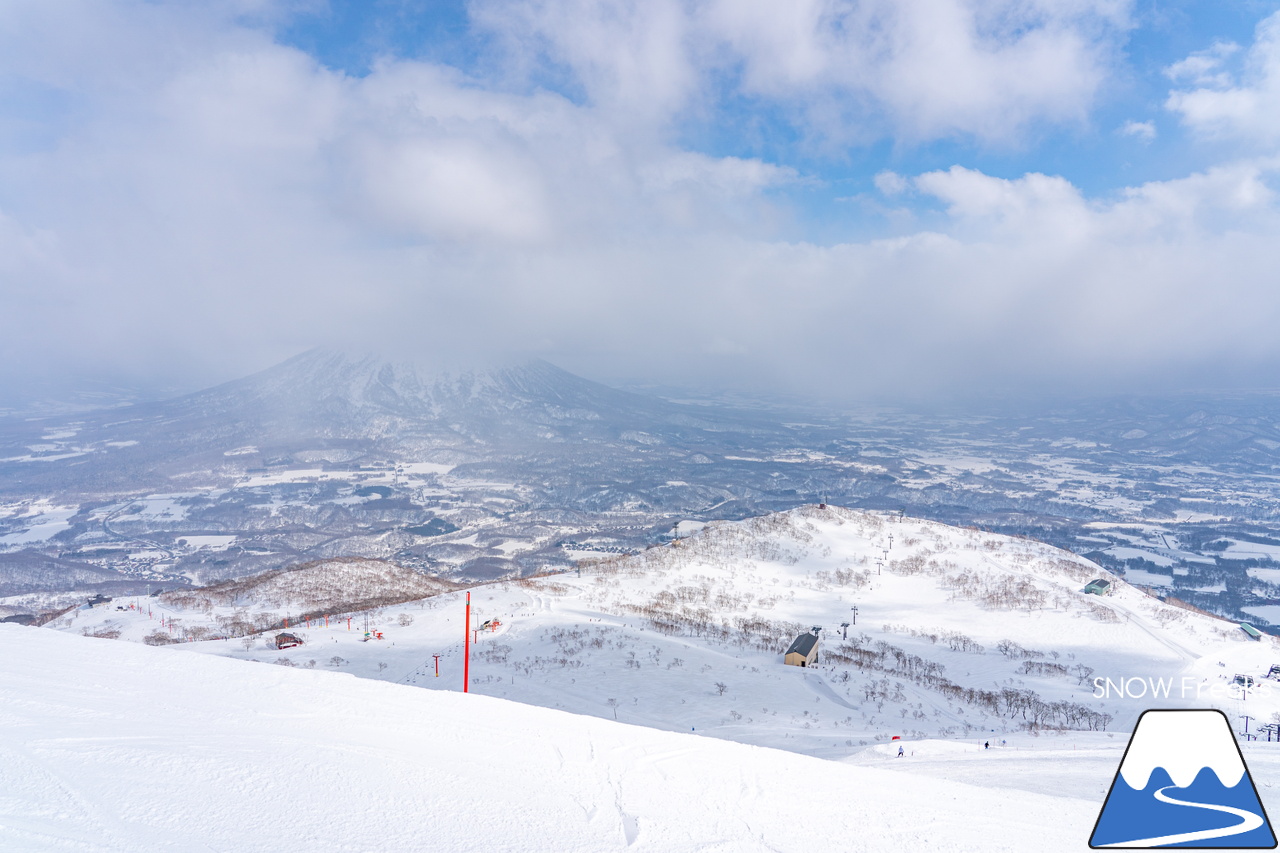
{"points": [[1101, 586]]}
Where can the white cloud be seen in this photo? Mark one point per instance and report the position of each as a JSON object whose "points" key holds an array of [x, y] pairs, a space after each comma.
{"points": [[843, 70], [230, 201], [1243, 105], [1033, 206], [891, 183], [1205, 67], [1144, 131], [934, 69], [235, 188], [631, 59]]}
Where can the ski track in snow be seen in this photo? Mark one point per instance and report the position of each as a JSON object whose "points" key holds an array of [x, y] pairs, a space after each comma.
{"points": [[1145, 626], [815, 682]]}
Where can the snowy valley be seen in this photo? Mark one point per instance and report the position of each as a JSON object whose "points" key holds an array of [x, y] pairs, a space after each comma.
{"points": [[960, 638]]}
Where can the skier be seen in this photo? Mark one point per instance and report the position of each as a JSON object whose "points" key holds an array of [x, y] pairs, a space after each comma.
{"points": [[899, 750], [987, 745]]}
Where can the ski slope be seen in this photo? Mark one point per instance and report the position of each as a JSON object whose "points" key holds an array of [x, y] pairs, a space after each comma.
{"points": [[717, 745], [109, 746], [958, 634]]}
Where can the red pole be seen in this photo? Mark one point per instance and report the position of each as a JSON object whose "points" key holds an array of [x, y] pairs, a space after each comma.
{"points": [[466, 657], [437, 657]]}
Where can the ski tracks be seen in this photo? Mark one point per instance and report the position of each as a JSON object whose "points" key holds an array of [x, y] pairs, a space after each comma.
{"points": [[31, 787], [1137, 620]]}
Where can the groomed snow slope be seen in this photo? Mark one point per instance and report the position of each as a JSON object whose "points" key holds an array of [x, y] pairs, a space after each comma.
{"points": [[108, 746]]}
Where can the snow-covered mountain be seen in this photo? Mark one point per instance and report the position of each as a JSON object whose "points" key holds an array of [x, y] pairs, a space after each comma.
{"points": [[641, 704], [479, 470], [334, 454], [957, 633], [340, 394], [341, 406]]}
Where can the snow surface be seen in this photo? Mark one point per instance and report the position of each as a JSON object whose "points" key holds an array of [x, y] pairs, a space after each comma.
{"points": [[41, 521], [1145, 578], [1265, 575], [213, 542], [1251, 551], [1125, 553], [117, 746], [591, 644], [108, 746], [1269, 613]]}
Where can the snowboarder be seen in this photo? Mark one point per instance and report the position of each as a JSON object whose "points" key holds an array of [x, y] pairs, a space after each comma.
{"points": [[987, 745], [899, 750]]}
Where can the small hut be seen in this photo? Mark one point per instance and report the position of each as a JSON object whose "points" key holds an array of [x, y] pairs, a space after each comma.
{"points": [[803, 652], [1101, 586], [287, 641]]}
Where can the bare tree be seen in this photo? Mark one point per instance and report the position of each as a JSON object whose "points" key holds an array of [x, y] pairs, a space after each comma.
{"points": [[721, 687]]}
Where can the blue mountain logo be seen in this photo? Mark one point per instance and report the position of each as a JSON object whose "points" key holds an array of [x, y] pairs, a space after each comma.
{"points": [[1183, 783]]}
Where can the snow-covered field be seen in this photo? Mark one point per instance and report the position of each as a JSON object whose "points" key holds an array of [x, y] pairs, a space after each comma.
{"points": [[119, 747], [959, 638], [35, 522]]}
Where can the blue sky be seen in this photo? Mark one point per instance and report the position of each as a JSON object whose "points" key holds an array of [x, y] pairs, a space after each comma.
{"points": [[861, 198], [1095, 154]]}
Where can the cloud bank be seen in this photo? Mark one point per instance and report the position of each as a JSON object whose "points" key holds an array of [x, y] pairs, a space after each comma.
{"points": [[184, 194]]}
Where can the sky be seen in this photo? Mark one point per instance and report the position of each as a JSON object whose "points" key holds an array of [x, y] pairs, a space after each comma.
{"points": [[860, 199]]}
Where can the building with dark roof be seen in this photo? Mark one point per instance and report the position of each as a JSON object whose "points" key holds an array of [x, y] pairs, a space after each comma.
{"points": [[803, 652], [287, 641]]}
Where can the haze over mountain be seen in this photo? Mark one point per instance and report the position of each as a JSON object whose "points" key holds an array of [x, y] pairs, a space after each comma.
{"points": [[357, 406], [476, 470]]}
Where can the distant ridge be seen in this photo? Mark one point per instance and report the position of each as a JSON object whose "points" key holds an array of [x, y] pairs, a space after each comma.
{"points": [[370, 406]]}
